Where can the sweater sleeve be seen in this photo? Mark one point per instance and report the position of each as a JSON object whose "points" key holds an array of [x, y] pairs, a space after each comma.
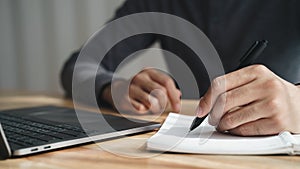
{"points": [[112, 59]]}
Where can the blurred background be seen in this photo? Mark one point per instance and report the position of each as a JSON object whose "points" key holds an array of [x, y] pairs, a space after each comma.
{"points": [[37, 36]]}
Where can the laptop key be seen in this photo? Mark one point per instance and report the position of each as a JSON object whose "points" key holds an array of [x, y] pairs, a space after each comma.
{"points": [[47, 138], [15, 146], [73, 133], [21, 144]]}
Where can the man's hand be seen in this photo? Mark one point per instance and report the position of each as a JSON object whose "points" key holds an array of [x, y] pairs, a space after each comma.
{"points": [[149, 91], [252, 101]]}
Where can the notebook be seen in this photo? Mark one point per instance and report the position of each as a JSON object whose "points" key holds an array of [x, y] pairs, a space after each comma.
{"points": [[38, 129], [174, 136]]}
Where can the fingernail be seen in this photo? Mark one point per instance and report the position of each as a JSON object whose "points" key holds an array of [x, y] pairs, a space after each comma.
{"points": [[199, 111]]}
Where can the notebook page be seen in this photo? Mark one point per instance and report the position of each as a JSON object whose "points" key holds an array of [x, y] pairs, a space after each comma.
{"points": [[174, 136], [296, 146]]}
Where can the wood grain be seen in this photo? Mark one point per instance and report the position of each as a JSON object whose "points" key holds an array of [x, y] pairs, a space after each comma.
{"points": [[103, 154]]}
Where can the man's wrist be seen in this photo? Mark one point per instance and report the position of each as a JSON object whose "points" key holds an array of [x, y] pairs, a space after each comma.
{"points": [[106, 94]]}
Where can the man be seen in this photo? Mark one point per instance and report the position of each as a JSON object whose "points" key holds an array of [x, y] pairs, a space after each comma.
{"points": [[261, 99]]}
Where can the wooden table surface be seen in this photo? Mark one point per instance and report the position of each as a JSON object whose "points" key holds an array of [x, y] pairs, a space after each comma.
{"points": [[127, 152]]}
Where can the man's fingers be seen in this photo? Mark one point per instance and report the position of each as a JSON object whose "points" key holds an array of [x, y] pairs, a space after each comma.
{"points": [[139, 108], [257, 128], [154, 101], [237, 97], [156, 90], [228, 82], [243, 115], [143, 103], [168, 83], [136, 93], [145, 82], [157, 105], [153, 83], [158, 99]]}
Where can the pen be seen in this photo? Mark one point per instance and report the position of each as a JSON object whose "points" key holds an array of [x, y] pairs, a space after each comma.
{"points": [[247, 59]]}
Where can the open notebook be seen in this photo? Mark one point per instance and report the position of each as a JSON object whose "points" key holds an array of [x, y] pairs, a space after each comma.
{"points": [[174, 136]]}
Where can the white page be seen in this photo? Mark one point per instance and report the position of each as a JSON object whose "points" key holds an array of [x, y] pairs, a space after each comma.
{"points": [[174, 136]]}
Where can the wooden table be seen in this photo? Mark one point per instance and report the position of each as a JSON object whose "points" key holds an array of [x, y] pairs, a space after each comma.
{"points": [[93, 156]]}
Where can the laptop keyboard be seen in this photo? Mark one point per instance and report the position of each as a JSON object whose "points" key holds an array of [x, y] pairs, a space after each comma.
{"points": [[22, 133]]}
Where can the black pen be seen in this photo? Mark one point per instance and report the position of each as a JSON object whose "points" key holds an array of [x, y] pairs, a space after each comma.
{"points": [[247, 59]]}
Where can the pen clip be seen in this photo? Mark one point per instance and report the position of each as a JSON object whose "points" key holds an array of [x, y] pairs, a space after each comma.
{"points": [[251, 55], [249, 51]]}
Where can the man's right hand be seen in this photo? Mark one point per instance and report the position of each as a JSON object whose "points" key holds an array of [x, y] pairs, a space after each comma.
{"points": [[149, 91]]}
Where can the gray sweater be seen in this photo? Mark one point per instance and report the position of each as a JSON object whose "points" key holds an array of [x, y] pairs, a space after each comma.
{"points": [[231, 25]]}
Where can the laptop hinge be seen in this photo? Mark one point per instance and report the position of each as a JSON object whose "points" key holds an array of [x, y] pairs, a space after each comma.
{"points": [[5, 151]]}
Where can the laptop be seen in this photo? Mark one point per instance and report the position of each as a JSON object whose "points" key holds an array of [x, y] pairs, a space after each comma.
{"points": [[38, 129]]}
